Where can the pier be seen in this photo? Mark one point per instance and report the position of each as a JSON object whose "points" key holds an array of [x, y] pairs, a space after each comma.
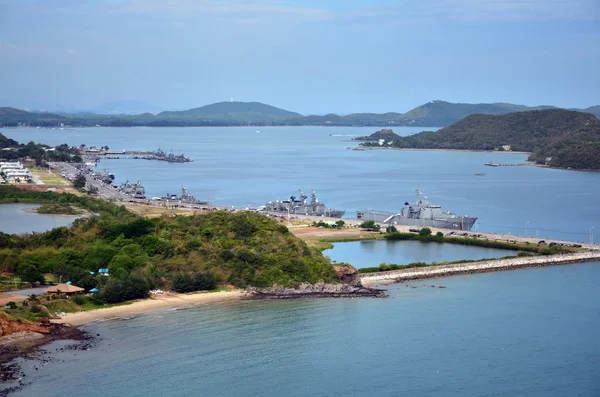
{"points": [[492, 164], [97, 154]]}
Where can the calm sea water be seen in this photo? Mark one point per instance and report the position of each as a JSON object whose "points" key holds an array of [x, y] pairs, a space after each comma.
{"points": [[531, 332], [14, 219], [241, 167], [372, 253]]}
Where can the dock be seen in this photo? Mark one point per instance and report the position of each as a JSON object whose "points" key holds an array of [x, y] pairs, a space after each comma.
{"points": [[492, 164], [94, 155]]}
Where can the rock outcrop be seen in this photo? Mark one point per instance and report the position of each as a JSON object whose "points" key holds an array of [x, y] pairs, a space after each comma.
{"points": [[319, 290], [9, 326], [348, 274]]}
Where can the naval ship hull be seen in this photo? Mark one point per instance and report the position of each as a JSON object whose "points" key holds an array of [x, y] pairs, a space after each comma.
{"points": [[457, 223], [327, 213]]}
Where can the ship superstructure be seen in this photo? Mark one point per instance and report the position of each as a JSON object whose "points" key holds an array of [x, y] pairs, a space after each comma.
{"points": [[135, 190], [422, 214], [301, 205], [184, 198]]}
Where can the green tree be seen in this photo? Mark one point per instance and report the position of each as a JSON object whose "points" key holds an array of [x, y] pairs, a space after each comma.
{"points": [[31, 274], [340, 224], [370, 225], [79, 182], [424, 232]]}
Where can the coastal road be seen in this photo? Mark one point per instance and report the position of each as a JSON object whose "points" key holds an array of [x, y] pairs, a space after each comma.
{"points": [[107, 192]]}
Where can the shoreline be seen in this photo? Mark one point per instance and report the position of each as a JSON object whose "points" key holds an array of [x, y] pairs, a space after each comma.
{"points": [[435, 271], [34, 211], [166, 301], [442, 150]]}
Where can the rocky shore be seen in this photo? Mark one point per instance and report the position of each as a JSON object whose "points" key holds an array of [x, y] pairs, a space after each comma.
{"points": [[24, 339], [393, 276], [320, 290]]}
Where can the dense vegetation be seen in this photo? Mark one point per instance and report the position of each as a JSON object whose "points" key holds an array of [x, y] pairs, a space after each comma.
{"points": [[243, 249], [557, 137], [434, 114], [425, 235], [59, 209], [38, 152], [385, 134]]}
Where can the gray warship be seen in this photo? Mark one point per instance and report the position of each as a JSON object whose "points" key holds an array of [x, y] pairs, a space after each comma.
{"points": [[301, 206], [135, 190], [185, 198], [420, 214]]}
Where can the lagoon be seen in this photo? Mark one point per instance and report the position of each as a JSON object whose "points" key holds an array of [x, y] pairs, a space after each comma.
{"points": [[15, 219], [371, 253]]}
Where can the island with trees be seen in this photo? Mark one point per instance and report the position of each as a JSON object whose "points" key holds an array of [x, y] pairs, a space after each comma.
{"points": [[554, 137], [435, 113]]}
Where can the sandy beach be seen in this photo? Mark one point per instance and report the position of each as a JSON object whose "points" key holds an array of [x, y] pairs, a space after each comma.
{"points": [[158, 302]]}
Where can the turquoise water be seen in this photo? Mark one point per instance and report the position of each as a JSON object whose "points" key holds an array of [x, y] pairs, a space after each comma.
{"points": [[13, 219], [372, 253], [240, 167], [531, 332]]}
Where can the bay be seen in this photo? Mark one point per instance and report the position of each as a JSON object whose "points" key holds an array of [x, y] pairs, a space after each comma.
{"points": [[241, 167], [529, 332]]}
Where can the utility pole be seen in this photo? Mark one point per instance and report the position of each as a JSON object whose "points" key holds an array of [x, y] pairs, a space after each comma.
{"points": [[592, 235], [526, 226]]}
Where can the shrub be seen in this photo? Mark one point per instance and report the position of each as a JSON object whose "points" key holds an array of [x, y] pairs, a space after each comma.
{"points": [[425, 232], [79, 299]]}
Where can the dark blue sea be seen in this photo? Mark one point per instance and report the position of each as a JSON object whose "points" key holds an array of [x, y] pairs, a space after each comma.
{"points": [[530, 332]]}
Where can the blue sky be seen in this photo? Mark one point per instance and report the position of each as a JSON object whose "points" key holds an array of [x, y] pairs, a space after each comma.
{"points": [[303, 55]]}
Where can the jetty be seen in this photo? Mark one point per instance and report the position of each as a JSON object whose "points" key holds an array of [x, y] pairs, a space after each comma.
{"points": [[433, 271], [492, 164], [95, 155]]}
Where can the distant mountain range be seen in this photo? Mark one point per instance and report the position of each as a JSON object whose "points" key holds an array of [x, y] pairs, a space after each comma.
{"points": [[431, 114], [556, 137]]}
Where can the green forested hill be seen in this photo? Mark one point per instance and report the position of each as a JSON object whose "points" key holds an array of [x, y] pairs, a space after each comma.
{"points": [[440, 113], [595, 110], [569, 138], [7, 142], [386, 134], [431, 114], [235, 111], [11, 116], [243, 249]]}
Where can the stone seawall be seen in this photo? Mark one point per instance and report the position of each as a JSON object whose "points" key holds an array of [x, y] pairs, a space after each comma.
{"points": [[393, 276]]}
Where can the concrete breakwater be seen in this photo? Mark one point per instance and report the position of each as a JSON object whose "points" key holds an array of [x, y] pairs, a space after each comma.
{"points": [[393, 276]]}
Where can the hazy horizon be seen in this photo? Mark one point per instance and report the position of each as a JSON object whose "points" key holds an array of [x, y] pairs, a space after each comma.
{"points": [[343, 57]]}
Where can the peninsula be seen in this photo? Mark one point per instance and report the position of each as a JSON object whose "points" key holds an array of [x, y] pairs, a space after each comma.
{"points": [[555, 137]]}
